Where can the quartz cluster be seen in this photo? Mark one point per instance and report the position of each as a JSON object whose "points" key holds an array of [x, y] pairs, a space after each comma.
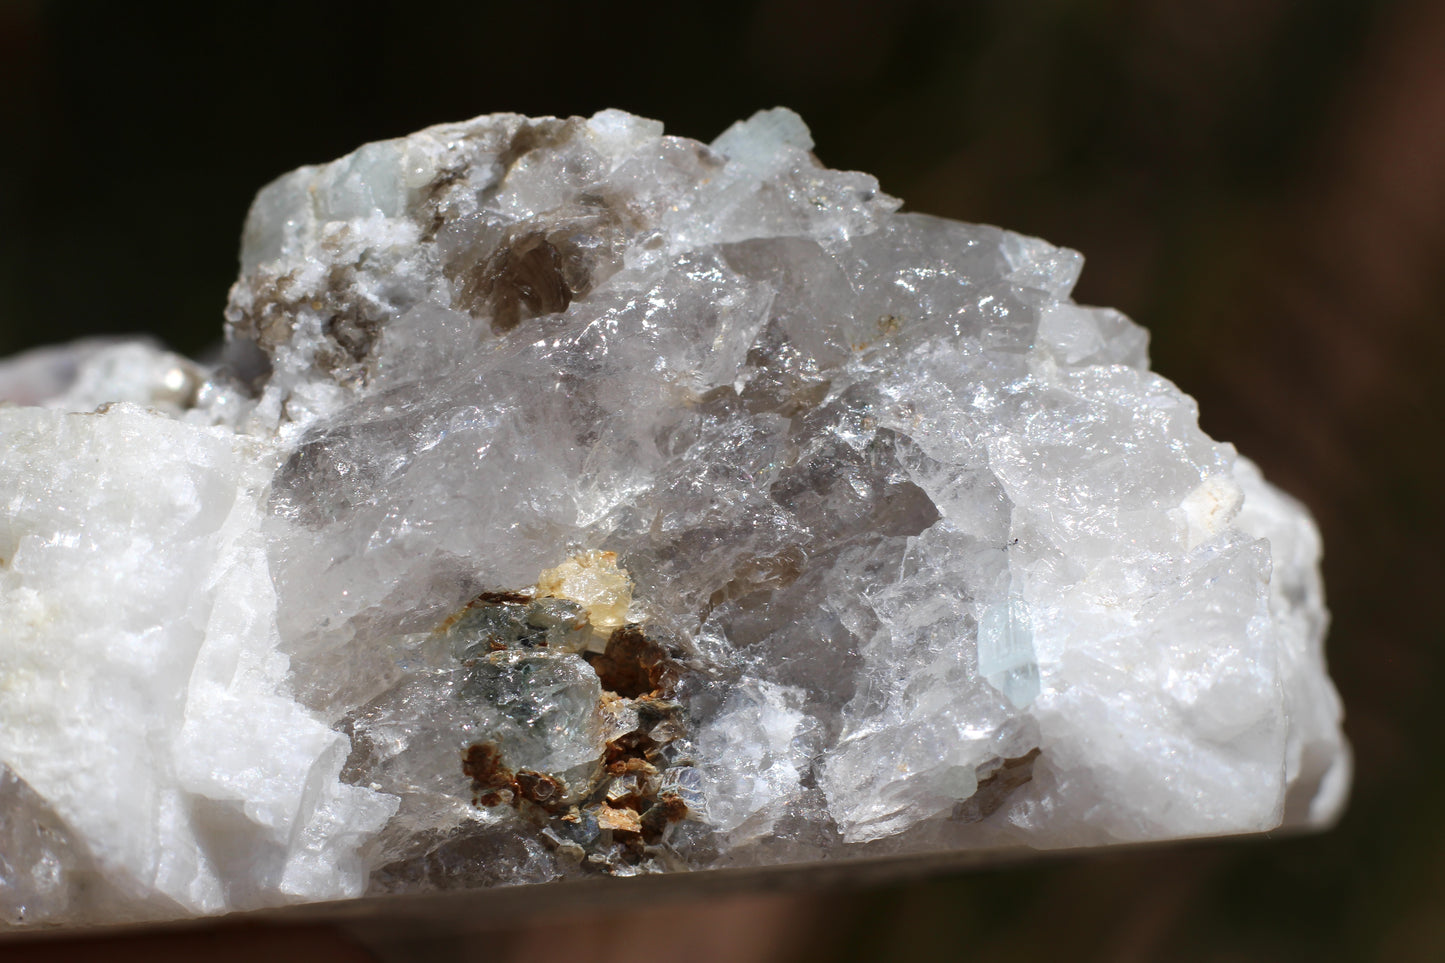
{"points": [[574, 499]]}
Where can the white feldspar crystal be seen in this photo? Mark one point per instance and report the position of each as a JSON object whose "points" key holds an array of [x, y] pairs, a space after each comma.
{"points": [[578, 499]]}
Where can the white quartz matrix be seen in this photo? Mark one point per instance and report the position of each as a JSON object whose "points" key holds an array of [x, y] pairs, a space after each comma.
{"points": [[573, 499]]}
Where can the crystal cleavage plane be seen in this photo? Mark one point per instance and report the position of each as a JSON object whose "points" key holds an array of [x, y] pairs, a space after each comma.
{"points": [[573, 499]]}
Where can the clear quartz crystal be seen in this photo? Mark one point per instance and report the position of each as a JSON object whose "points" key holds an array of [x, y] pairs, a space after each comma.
{"points": [[574, 499]]}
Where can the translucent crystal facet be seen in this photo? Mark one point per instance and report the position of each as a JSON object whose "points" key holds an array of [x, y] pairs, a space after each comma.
{"points": [[1006, 651], [573, 499]]}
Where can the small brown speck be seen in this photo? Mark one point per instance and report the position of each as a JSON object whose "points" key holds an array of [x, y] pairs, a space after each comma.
{"points": [[525, 279], [539, 788], [632, 665], [994, 789], [482, 763], [619, 820]]}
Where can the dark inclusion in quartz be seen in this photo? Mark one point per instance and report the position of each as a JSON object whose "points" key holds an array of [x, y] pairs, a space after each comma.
{"points": [[615, 814]]}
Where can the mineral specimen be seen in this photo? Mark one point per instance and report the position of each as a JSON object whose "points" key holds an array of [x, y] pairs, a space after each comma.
{"points": [[573, 499]]}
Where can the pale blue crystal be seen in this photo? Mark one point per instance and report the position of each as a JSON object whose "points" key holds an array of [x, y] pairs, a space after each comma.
{"points": [[1006, 651]]}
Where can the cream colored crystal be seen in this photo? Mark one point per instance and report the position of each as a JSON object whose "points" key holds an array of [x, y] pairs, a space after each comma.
{"points": [[594, 581]]}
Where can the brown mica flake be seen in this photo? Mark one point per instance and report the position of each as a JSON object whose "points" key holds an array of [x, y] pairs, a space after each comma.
{"points": [[668, 809], [994, 789], [628, 753], [635, 780], [622, 820], [354, 334], [269, 318], [352, 324], [764, 573], [481, 601], [500, 598], [673, 809], [493, 783], [540, 789], [632, 665], [436, 199], [482, 763], [524, 279]]}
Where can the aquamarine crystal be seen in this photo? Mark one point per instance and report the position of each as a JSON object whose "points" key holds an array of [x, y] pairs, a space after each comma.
{"points": [[1006, 650]]}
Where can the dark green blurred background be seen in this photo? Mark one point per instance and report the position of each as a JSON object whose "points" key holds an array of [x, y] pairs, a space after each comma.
{"points": [[1260, 182]]}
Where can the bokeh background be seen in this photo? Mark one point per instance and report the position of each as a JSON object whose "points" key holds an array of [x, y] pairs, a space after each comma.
{"points": [[1260, 182]]}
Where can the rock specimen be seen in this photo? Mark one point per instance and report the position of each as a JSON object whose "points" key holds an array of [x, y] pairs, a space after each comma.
{"points": [[573, 499]]}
